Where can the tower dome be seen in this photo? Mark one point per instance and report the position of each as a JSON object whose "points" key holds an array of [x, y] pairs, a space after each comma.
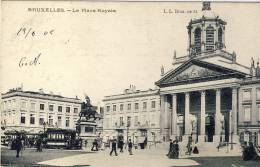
{"points": [[206, 33]]}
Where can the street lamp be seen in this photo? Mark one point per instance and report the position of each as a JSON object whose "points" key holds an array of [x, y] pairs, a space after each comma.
{"points": [[44, 126]]}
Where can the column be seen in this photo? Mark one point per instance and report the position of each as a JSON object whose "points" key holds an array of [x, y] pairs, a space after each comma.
{"points": [[216, 137], [201, 137], [234, 117], [174, 116], [187, 117], [162, 98]]}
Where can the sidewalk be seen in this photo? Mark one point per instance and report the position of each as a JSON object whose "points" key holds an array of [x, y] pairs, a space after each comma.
{"points": [[141, 158]]}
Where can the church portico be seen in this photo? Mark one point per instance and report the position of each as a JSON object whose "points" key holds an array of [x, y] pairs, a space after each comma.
{"points": [[206, 114]]}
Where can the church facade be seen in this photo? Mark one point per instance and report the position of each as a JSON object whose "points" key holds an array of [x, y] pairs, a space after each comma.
{"points": [[208, 96]]}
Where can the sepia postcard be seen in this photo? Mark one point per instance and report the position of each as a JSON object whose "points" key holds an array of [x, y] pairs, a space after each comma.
{"points": [[130, 83]]}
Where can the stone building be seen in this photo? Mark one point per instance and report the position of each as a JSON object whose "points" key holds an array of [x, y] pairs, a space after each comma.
{"points": [[207, 96], [134, 114], [210, 96], [35, 111]]}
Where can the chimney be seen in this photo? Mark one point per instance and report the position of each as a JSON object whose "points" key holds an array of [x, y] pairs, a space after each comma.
{"points": [[41, 90]]}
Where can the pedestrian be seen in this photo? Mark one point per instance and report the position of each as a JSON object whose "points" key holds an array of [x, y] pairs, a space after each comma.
{"points": [[130, 146], [170, 147], [94, 144], [38, 144], [113, 147], [86, 143], [189, 148], [18, 145], [121, 145], [195, 150], [177, 149]]}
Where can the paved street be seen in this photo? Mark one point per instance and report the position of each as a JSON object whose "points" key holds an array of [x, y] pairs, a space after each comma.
{"points": [[151, 158]]}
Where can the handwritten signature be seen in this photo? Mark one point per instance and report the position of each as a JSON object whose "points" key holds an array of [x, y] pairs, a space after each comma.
{"points": [[24, 61]]}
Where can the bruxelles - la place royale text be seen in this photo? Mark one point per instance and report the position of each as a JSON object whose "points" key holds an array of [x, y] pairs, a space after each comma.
{"points": [[83, 10]]}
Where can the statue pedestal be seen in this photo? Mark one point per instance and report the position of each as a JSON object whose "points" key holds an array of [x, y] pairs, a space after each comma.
{"points": [[87, 131]]}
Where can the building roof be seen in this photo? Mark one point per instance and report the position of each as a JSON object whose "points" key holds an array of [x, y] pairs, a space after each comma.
{"points": [[133, 94], [39, 95], [195, 70]]}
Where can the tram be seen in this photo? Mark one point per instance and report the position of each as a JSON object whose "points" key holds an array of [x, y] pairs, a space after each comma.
{"points": [[61, 138]]}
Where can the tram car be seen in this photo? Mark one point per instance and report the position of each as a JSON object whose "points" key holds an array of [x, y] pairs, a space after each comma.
{"points": [[61, 138], [10, 136]]}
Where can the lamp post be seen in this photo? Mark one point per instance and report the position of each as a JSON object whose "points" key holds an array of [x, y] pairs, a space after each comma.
{"points": [[44, 126]]}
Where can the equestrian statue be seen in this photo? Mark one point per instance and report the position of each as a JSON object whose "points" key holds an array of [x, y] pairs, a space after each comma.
{"points": [[88, 111]]}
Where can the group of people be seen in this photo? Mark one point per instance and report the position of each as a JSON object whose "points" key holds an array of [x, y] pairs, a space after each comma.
{"points": [[18, 144], [173, 150], [121, 146], [250, 152]]}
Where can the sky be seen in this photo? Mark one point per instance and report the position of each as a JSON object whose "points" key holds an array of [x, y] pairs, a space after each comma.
{"points": [[103, 53]]}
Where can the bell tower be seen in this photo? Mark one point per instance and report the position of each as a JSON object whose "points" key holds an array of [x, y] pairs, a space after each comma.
{"points": [[206, 34]]}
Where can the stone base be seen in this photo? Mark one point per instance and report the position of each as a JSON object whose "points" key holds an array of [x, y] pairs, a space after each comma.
{"points": [[216, 138], [234, 140], [201, 139]]}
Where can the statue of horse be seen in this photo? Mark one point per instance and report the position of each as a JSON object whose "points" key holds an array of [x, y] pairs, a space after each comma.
{"points": [[87, 110]]}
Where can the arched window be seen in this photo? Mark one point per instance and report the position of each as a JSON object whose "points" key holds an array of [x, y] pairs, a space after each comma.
{"points": [[210, 38], [197, 40], [220, 36]]}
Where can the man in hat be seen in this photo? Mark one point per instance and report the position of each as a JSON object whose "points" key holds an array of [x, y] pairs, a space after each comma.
{"points": [[113, 147], [18, 145]]}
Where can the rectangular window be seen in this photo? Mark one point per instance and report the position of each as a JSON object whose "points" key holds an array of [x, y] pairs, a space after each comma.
{"points": [[153, 120], [50, 107], [136, 106], [14, 104], [67, 122], [32, 119], [75, 110], [60, 108], [67, 109], [59, 121], [22, 119], [32, 106], [23, 104], [247, 114], [41, 106], [129, 106], [121, 107], [50, 120], [108, 108], [136, 120], [41, 121], [128, 121], [259, 115], [121, 121], [114, 107], [246, 95], [144, 105], [258, 93], [153, 104]]}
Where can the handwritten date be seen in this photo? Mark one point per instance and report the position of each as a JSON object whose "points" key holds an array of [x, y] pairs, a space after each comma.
{"points": [[30, 32]]}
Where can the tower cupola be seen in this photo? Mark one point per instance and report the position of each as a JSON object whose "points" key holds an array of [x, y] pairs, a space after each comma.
{"points": [[207, 33]]}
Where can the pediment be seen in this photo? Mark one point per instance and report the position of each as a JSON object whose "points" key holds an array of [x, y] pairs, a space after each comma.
{"points": [[192, 72], [196, 70]]}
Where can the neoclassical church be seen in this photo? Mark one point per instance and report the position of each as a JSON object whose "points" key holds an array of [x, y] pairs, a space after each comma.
{"points": [[208, 96]]}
